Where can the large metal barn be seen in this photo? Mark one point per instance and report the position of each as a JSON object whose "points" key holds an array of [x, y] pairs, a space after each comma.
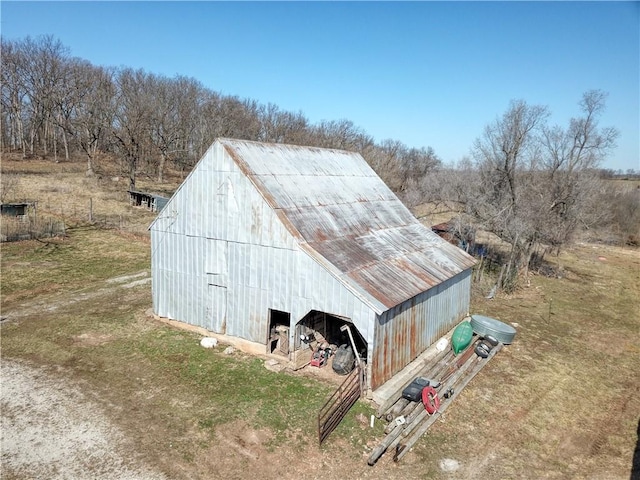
{"points": [[267, 242]]}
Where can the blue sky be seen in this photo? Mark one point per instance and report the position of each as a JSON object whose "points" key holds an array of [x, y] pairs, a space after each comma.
{"points": [[425, 73]]}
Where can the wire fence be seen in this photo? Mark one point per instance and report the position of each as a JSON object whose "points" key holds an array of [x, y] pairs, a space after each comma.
{"points": [[50, 223], [18, 228]]}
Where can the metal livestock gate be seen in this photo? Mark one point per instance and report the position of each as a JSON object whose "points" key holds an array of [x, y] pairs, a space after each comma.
{"points": [[332, 412]]}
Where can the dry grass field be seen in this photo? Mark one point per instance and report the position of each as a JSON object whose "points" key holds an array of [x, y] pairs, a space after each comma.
{"points": [[63, 191], [563, 401]]}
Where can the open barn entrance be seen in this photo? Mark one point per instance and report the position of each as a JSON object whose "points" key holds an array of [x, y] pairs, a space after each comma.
{"points": [[320, 330], [279, 325]]}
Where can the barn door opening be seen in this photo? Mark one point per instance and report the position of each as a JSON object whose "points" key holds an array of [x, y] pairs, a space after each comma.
{"points": [[319, 329], [279, 325]]}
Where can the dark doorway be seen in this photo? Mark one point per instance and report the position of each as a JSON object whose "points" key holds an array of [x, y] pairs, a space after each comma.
{"points": [[318, 328], [279, 325]]}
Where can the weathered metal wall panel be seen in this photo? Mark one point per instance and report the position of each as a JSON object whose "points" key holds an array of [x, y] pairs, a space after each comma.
{"points": [[216, 310], [184, 261], [405, 331], [263, 278], [179, 280]]}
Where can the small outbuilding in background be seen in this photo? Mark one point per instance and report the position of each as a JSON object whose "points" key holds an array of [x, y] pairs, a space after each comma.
{"points": [[20, 210], [150, 201], [271, 243]]}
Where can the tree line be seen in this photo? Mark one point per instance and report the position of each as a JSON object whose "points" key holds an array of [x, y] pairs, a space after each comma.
{"points": [[532, 184], [56, 105]]}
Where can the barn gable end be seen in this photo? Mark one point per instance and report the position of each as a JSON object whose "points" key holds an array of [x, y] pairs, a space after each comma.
{"points": [[222, 259]]}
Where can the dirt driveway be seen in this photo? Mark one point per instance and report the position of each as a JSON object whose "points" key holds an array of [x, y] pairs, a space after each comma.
{"points": [[51, 429]]}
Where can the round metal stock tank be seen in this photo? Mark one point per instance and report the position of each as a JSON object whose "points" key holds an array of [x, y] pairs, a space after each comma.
{"points": [[490, 326]]}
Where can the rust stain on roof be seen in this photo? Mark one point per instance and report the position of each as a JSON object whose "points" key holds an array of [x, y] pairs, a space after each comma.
{"points": [[346, 217]]}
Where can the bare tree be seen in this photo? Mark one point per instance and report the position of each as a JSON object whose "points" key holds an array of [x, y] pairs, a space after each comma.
{"points": [[204, 132], [14, 92], [537, 184], [132, 120], [624, 219], [282, 127], [570, 159], [67, 100], [9, 183], [340, 134], [190, 95], [385, 159], [164, 119], [506, 155], [95, 111], [45, 59]]}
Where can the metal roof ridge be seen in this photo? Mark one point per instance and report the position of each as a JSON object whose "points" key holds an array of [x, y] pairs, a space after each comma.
{"points": [[298, 207], [271, 174], [228, 140]]}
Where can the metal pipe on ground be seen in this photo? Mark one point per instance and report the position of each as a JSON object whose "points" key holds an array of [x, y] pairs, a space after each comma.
{"points": [[346, 328]]}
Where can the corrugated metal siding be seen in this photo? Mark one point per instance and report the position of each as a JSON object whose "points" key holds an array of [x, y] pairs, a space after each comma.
{"points": [[179, 281], [404, 332], [263, 278], [230, 246]]}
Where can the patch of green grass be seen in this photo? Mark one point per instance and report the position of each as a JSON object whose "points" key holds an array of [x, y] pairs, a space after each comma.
{"points": [[235, 387]]}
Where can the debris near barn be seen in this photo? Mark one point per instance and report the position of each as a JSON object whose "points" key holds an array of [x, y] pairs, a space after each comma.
{"points": [[439, 382]]}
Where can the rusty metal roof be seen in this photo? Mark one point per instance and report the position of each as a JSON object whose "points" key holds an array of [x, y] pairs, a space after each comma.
{"points": [[345, 217]]}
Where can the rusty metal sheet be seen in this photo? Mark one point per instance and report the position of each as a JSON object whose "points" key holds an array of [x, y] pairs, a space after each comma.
{"points": [[258, 158], [405, 331]]}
